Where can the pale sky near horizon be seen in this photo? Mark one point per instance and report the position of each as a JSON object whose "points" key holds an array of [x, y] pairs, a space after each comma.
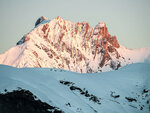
{"points": [[129, 20]]}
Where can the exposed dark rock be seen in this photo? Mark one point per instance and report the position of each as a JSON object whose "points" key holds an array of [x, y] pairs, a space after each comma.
{"points": [[130, 99], [115, 65], [38, 21], [87, 94], [146, 95], [111, 49], [75, 88], [66, 82], [68, 104], [118, 66], [145, 91], [114, 96], [5, 90], [23, 101], [141, 108], [94, 99], [82, 91], [20, 41]]}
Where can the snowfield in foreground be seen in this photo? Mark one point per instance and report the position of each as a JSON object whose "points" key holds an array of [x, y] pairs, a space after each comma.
{"points": [[126, 90]]}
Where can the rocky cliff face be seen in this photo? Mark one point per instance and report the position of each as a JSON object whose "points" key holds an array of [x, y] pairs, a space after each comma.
{"points": [[71, 46]]}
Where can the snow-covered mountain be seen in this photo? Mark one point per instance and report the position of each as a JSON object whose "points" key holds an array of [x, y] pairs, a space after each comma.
{"points": [[71, 46], [126, 90]]}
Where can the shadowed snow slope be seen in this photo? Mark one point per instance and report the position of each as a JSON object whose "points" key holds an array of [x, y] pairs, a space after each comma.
{"points": [[126, 90]]}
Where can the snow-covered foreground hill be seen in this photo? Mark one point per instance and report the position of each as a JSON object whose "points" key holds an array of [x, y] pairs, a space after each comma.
{"points": [[126, 90]]}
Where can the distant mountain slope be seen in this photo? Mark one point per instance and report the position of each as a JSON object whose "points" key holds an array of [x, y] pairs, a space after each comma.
{"points": [[126, 90], [71, 46]]}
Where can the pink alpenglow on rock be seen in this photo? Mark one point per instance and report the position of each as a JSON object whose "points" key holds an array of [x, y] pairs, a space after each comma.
{"points": [[71, 46]]}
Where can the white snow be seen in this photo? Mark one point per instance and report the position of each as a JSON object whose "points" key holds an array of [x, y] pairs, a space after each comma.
{"points": [[128, 81], [134, 55], [102, 24]]}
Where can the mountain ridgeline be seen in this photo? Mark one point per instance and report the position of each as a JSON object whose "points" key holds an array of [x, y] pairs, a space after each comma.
{"points": [[77, 47]]}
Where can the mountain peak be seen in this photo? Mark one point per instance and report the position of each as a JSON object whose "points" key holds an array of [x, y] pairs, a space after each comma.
{"points": [[39, 20], [102, 24], [66, 45], [58, 18]]}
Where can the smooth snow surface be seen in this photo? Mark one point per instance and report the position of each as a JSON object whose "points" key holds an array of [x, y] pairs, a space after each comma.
{"points": [[127, 82]]}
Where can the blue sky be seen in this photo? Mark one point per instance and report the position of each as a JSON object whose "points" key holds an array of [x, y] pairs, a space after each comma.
{"points": [[129, 20]]}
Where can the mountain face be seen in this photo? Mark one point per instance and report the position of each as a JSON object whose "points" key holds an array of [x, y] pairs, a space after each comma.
{"points": [[71, 46]]}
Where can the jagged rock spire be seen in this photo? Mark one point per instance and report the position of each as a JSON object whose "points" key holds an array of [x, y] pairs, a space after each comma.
{"points": [[39, 20]]}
